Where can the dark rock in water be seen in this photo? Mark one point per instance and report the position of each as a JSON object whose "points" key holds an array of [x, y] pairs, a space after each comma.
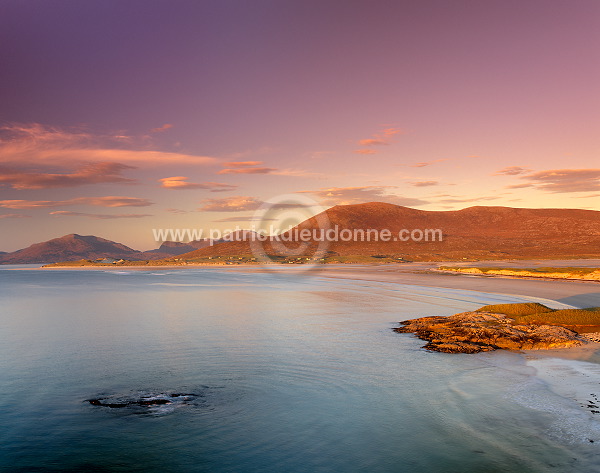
{"points": [[140, 402], [474, 332], [143, 400]]}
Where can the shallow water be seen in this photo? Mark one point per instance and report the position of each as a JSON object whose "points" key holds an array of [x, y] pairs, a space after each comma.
{"points": [[289, 373]]}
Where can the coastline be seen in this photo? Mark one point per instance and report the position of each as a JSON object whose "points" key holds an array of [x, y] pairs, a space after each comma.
{"points": [[593, 276], [574, 292], [573, 373], [577, 293]]}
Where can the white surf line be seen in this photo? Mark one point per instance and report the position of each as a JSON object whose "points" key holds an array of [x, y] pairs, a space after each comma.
{"points": [[553, 304], [573, 379]]}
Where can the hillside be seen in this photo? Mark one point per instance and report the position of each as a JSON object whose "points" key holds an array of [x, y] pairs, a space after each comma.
{"points": [[76, 247], [175, 248], [471, 233], [68, 248]]}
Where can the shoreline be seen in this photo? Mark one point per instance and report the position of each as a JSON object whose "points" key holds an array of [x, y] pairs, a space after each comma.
{"points": [[521, 273], [564, 372], [574, 292]]}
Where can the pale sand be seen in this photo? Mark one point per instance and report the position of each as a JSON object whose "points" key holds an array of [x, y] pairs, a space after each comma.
{"points": [[573, 379], [571, 292]]}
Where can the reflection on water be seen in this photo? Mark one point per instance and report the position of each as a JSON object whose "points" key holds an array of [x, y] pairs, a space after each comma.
{"points": [[272, 373]]}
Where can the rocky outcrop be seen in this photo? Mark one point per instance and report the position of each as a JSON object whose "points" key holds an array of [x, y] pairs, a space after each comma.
{"points": [[473, 332], [143, 400]]}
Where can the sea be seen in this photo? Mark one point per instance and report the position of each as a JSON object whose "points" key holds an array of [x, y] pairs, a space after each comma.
{"points": [[264, 372]]}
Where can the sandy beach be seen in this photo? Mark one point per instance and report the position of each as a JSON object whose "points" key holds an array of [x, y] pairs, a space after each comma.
{"points": [[575, 293], [570, 292]]}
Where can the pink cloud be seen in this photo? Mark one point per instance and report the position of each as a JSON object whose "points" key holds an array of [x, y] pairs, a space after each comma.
{"points": [[160, 129], [427, 163], [94, 173], [108, 201], [512, 171], [372, 142], [358, 195], [176, 211], [365, 151], [391, 131], [113, 201], [563, 180], [245, 219], [36, 143], [380, 139], [247, 171], [241, 164], [180, 183], [245, 167], [424, 183], [295, 173], [231, 204], [14, 216], [96, 216], [466, 200]]}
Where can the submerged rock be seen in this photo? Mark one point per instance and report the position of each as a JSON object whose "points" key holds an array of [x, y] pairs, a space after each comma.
{"points": [[474, 332], [143, 400]]}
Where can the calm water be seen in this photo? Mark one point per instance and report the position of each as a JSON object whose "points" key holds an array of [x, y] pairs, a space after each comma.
{"points": [[292, 374]]}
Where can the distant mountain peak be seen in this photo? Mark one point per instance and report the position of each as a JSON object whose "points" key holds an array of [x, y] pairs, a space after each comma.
{"points": [[478, 232]]}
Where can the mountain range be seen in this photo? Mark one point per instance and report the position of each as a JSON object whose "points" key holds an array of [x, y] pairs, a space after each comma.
{"points": [[74, 247], [474, 232]]}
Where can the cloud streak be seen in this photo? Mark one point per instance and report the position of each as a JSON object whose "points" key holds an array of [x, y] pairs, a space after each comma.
{"points": [[67, 213], [244, 219], [358, 195], [107, 201], [36, 143], [241, 164], [372, 142], [245, 167], [564, 180], [181, 183], [14, 216], [512, 171], [555, 180], [426, 163], [466, 200], [382, 138], [231, 204], [247, 171], [161, 129], [365, 151], [94, 173]]}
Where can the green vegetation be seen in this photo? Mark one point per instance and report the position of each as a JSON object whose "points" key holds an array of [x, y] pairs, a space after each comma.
{"points": [[590, 316], [534, 313], [236, 259], [539, 271], [516, 310]]}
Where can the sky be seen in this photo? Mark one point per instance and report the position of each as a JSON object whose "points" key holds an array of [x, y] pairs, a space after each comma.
{"points": [[117, 118]]}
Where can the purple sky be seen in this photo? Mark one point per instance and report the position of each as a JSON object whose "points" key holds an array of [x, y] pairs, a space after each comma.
{"points": [[119, 117]]}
